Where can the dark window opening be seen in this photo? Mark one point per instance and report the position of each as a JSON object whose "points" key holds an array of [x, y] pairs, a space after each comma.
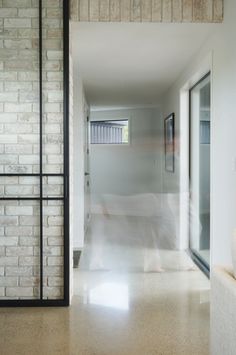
{"points": [[109, 132]]}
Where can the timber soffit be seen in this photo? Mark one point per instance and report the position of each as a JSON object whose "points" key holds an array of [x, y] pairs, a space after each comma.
{"points": [[176, 11]]}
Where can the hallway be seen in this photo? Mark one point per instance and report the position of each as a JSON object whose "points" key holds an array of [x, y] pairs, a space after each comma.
{"points": [[117, 144], [139, 295], [133, 241]]}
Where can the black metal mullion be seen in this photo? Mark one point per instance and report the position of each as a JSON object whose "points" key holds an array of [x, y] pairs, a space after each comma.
{"points": [[36, 175], [32, 303], [66, 89], [41, 143], [31, 198]]}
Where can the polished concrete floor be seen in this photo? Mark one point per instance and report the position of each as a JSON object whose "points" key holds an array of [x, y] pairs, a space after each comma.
{"points": [[133, 295], [116, 313]]}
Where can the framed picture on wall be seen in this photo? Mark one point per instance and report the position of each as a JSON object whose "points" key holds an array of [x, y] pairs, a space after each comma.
{"points": [[169, 132]]}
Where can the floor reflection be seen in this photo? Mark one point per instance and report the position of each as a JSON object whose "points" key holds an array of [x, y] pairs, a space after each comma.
{"points": [[142, 313], [110, 294], [134, 282]]}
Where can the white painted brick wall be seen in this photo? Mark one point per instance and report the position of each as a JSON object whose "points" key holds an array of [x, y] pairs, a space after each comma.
{"points": [[8, 281], [19, 292], [5, 242], [19, 147], [6, 261], [205, 11], [18, 210], [19, 271]]}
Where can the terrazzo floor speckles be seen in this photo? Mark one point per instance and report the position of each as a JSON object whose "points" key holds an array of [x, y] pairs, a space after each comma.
{"points": [[116, 313]]}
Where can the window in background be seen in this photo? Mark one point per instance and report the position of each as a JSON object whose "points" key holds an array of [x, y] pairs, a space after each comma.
{"points": [[109, 132]]}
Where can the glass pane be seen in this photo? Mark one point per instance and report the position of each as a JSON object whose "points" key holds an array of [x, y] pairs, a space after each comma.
{"points": [[53, 186], [109, 132], [20, 151], [53, 217], [53, 88], [19, 250], [19, 95], [19, 186], [200, 170]]}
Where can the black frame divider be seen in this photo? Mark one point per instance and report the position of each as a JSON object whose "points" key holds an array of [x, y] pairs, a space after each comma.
{"points": [[41, 144], [41, 302], [66, 102]]}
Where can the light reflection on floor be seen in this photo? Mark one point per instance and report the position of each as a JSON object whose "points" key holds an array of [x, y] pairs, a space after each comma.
{"points": [[110, 294], [166, 314], [139, 299], [137, 313]]}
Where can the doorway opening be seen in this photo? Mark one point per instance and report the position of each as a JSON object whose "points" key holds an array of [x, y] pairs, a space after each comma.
{"points": [[128, 206], [123, 186]]}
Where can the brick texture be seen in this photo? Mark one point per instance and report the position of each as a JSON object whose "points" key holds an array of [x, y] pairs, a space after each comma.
{"points": [[19, 148], [204, 11]]}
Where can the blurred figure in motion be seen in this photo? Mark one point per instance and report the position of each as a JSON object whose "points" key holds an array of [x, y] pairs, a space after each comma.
{"points": [[135, 233]]}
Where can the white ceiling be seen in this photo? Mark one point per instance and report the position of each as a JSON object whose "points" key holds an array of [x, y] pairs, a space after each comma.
{"points": [[133, 64]]}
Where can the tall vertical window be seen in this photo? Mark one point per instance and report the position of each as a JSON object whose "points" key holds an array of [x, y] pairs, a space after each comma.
{"points": [[109, 132], [34, 217], [200, 124]]}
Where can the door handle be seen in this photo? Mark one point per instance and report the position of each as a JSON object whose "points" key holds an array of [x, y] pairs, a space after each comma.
{"points": [[86, 174]]}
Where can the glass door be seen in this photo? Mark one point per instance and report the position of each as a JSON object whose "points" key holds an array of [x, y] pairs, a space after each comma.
{"points": [[34, 157], [200, 123]]}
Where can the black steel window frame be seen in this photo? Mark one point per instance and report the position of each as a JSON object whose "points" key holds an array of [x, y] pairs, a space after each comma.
{"points": [[40, 302], [197, 259]]}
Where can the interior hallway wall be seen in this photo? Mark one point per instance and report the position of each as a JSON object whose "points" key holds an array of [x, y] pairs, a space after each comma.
{"points": [[222, 49], [129, 169], [80, 108]]}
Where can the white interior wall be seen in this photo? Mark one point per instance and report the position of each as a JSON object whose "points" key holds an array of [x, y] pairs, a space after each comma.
{"points": [[71, 116], [219, 55], [79, 119], [129, 169]]}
